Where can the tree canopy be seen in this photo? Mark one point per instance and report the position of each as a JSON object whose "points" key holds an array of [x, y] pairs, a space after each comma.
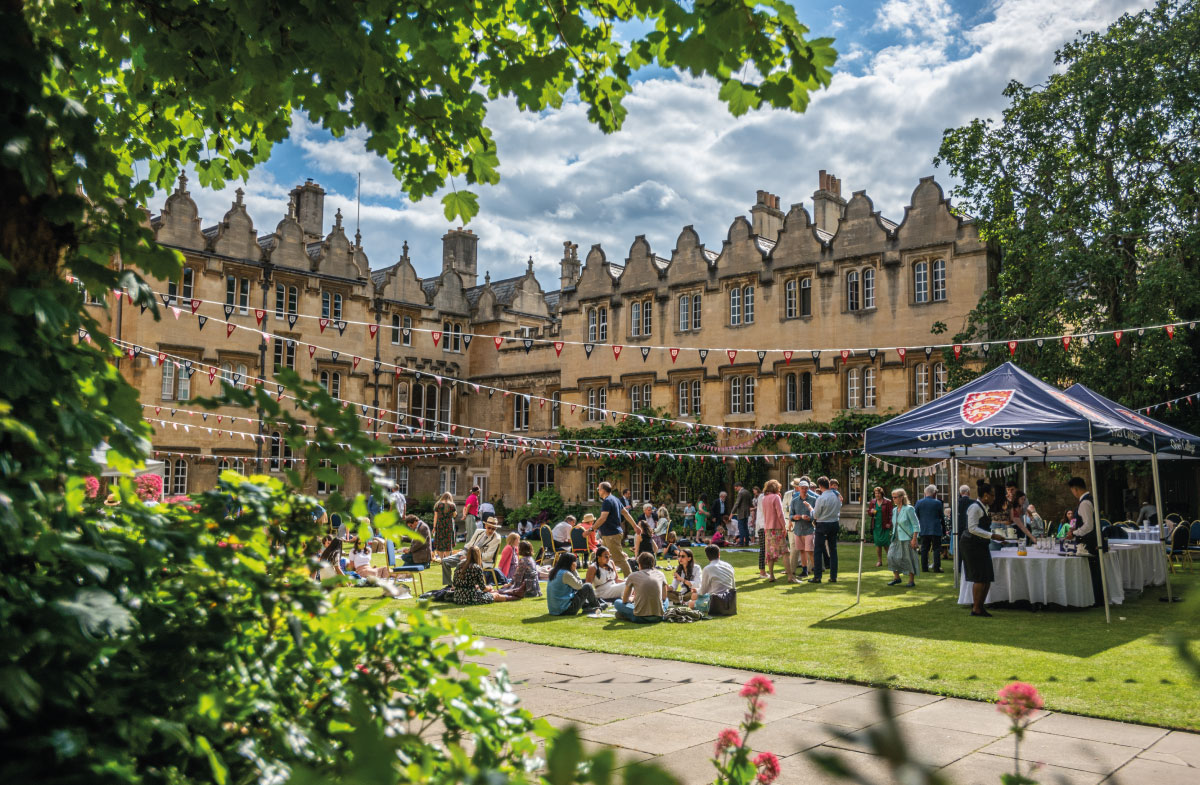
{"points": [[1089, 186]]}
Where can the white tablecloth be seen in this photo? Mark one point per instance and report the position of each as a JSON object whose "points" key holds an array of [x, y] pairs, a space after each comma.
{"points": [[1142, 563], [1143, 536], [1046, 578]]}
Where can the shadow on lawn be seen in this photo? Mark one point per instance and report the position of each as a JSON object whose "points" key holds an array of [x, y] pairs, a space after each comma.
{"points": [[943, 619]]}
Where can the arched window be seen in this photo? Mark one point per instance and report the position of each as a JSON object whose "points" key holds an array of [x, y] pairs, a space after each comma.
{"points": [[444, 409], [276, 447], [939, 280], [395, 328], [806, 297], [335, 384], [635, 319], [685, 313], [231, 464], [556, 410], [326, 304], [791, 393], [748, 395], [432, 392], [921, 282], [748, 305], [696, 398], [868, 284], [602, 316], [591, 324], [176, 480], [591, 481], [921, 384], [805, 391], [854, 484], [696, 312], [325, 483], [538, 477], [418, 402], [647, 321], [293, 300], [646, 396], [853, 388], [280, 300], [940, 380], [458, 336], [868, 388], [791, 303], [735, 395], [684, 398], [186, 282], [635, 396], [227, 373], [852, 302], [735, 306], [337, 306]]}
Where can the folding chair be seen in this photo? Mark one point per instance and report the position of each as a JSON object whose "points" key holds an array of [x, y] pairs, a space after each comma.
{"points": [[1178, 551], [579, 545], [412, 569], [547, 554]]}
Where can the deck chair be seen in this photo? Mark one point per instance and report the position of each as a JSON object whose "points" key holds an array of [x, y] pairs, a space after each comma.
{"points": [[547, 554], [411, 569], [579, 545]]}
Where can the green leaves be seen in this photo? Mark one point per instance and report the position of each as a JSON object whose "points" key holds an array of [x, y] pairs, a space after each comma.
{"points": [[740, 97], [97, 612], [460, 204]]}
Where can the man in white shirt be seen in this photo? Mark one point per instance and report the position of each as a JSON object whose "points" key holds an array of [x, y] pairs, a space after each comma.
{"points": [[399, 503], [1087, 533], [561, 533], [717, 581]]}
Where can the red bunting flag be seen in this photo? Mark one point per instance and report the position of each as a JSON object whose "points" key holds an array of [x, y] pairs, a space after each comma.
{"points": [[617, 351], [162, 357], [1012, 348], [1066, 341], [902, 351], [1170, 328], [195, 305], [229, 328], [357, 360], [674, 355], [558, 347], [437, 337], [372, 329], [259, 313], [732, 355], [212, 374], [845, 355], [498, 340], [311, 351], [957, 350], [1117, 336], [787, 356], [323, 323]]}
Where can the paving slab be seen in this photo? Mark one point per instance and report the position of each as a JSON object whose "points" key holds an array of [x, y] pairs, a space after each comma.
{"points": [[1068, 753], [1152, 772], [1091, 729], [790, 735], [612, 710], [624, 756], [801, 770], [1181, 749], [654, 733], [687, 692], [548, 700], [981, 768], [927, 743], [816, 692], [614, 690], [855, 712], [730, 709], [959, 714]]}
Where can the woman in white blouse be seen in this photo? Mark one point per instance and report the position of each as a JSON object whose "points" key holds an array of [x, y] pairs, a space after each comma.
{"points": [[603, 576], [685, 588]]}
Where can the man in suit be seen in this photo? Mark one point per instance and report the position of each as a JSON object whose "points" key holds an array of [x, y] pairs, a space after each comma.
{"points": [[485, 539], [741, 512]]}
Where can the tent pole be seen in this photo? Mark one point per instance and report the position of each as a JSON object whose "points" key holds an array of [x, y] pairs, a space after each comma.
{"points": [[1025, 476], [954, 517], [862, 525], [1159, 510], [1099, 532]]}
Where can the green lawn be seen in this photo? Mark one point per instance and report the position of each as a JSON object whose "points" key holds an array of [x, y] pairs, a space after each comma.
{"points": [[917, 639]]}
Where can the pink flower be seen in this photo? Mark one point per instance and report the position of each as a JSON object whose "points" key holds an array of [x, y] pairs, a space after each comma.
{"points": [[758, 685], [768, 767], [726, 739], [1019, 701]]}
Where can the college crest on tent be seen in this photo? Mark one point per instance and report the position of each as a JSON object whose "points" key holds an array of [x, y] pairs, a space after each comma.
{"points": [[980, 406]]}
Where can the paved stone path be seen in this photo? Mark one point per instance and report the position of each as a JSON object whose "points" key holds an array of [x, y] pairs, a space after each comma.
{"points": [[672, 711]]}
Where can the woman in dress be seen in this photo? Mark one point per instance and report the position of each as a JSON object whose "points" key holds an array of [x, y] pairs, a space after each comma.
{"points": [[902, 552], [880, 513], [470, 588], [602, 576], [524, 580], [686, 586], [443, 526], [774, 526], [701, 520]]}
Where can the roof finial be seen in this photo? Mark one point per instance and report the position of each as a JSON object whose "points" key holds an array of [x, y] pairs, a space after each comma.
{"points": [[291, 213], [182, 184], [530, 268], [404, 251], [487, 277], [357, 239], [337, 218], [239, 193]]}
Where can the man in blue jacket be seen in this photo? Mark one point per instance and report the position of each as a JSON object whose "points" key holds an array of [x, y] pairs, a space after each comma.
{"points": [[930, 516]]}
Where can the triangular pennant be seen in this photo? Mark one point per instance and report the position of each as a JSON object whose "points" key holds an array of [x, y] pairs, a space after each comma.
{"points": [[987, 347], [1091, 338], [229, 328], [195, 305], [322, 323], [732, 355], [902, 352], [617, 351], [340, 324], [1117, 336], [928, 352], [311, 351], [1012, 348], [228, 311], [761, 356], [201, 320], [166, 298], [1141, 331], [292, 319], [872, 353], [1170, 328], [587, 348], [237, 377], [1040, 342], [175, 311], [957, 350], [845, 355], [528, 343], [335, 355], [356, 361], [787, 356], [558, 347], [1066, 342], [162, 357], [703, 355], [437, 337], [377, 364], [372, 329], [498, 340], [259, 313], [645, 353], [816, 355]]}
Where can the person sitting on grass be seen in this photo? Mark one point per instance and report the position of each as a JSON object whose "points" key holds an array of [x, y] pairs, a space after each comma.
{"points": [[717, 580], [672, 550], [642, 600], [686, 586], [329, 563], [470, 587], [508, 556], [524, 580], [602, 575], [566, 595], [718, 537]]}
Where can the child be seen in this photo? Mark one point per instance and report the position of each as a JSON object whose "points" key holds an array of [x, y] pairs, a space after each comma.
{"points": [[718, 538], [508, 556], [672, 548]]}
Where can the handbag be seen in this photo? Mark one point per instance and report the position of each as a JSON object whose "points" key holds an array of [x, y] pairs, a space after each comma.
{"points": [[703, 602]]}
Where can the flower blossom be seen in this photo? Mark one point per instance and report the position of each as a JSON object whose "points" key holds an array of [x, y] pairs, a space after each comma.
{"points": [[1019, 701], [726, 739], [768, 767], [756, 686]]}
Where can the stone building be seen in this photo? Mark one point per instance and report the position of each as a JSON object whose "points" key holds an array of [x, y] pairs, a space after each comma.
{"points": [[840, 276]]}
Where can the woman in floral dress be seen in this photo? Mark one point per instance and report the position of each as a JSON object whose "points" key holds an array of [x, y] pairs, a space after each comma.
{"points": [[443, 526], [470, 588]]}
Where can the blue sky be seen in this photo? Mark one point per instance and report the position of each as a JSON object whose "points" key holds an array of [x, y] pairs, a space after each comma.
{"points": [[908, 69]]}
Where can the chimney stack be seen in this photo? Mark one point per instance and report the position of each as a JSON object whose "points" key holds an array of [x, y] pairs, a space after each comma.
{"points": [[460, 253], [310, 209], [569, 266], [766, 217], [828, 204]]}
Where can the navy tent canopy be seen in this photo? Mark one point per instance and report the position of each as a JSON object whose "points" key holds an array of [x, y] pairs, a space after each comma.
{"points": [[1008, 414], [1166, 441]]}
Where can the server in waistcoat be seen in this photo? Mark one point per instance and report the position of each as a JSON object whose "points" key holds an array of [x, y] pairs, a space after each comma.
{"points": [[973, 543], [1085, 532]]}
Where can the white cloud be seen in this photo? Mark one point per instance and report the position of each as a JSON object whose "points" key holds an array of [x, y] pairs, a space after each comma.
{"points": [[682, 159]]}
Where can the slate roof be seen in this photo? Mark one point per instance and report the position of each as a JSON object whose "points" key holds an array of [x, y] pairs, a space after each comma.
{"points": [[210, 232], [378, 276], [313, 249], [552, 299], [660, 262], [824, 235], [711, 256], [505, 290], [763, 243]]}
